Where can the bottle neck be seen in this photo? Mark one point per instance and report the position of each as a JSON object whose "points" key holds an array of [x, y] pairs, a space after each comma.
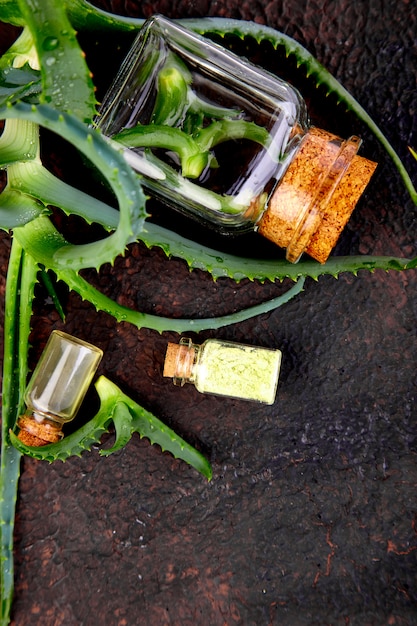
{"points": [[180, 361], [315, 198], [37, 429]]}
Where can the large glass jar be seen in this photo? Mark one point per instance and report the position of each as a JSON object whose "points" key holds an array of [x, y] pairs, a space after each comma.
{"points": [[230, 144]]}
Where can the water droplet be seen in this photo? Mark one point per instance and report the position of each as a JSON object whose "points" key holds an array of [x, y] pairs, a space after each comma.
{"points": [[50, 61], [50, 43]]}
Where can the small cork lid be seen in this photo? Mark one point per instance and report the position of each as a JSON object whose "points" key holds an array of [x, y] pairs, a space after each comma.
{"points": [[316, 197], [170, 364], [34, 433], [179, 361]]}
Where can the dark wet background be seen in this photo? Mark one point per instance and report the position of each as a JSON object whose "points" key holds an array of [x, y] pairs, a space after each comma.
{"points": [[311, 516]]}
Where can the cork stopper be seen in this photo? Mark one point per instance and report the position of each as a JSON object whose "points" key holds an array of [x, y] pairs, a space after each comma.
{"points": [[316, 197], [34, 433], [179, 361], [170, 364]]}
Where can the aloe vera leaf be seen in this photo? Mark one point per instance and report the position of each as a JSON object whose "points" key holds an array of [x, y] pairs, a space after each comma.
{"points": [[114, 168], [21, 52], [34, 180], [18, 83], [172, 96], [10, 13], [161, 324], [19, 148], [225, 130], [21, 279], [193, 158], [193, 191], [129, 417], [219, 265], [82, 15], [49, 285], [10, 457], [66, 79], [17, 209], [137, 419], [202, 257], [40, 237], [18, 142], [193, 151], [196, 255], [200, 108], [85, 16]]}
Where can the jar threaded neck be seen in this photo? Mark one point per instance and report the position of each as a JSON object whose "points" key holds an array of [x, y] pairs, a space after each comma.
{"points": [[180, 360]]}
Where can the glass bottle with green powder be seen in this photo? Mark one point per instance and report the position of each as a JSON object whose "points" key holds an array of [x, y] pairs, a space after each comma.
{"points": [[225, 368]]}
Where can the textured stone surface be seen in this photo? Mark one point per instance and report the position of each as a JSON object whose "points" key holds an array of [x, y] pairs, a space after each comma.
{"points": [[310, 518]]}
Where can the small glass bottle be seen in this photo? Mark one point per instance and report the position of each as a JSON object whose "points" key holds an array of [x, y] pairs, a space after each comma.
{"points": [[57, 387], [225, 368], [230, 144]]}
